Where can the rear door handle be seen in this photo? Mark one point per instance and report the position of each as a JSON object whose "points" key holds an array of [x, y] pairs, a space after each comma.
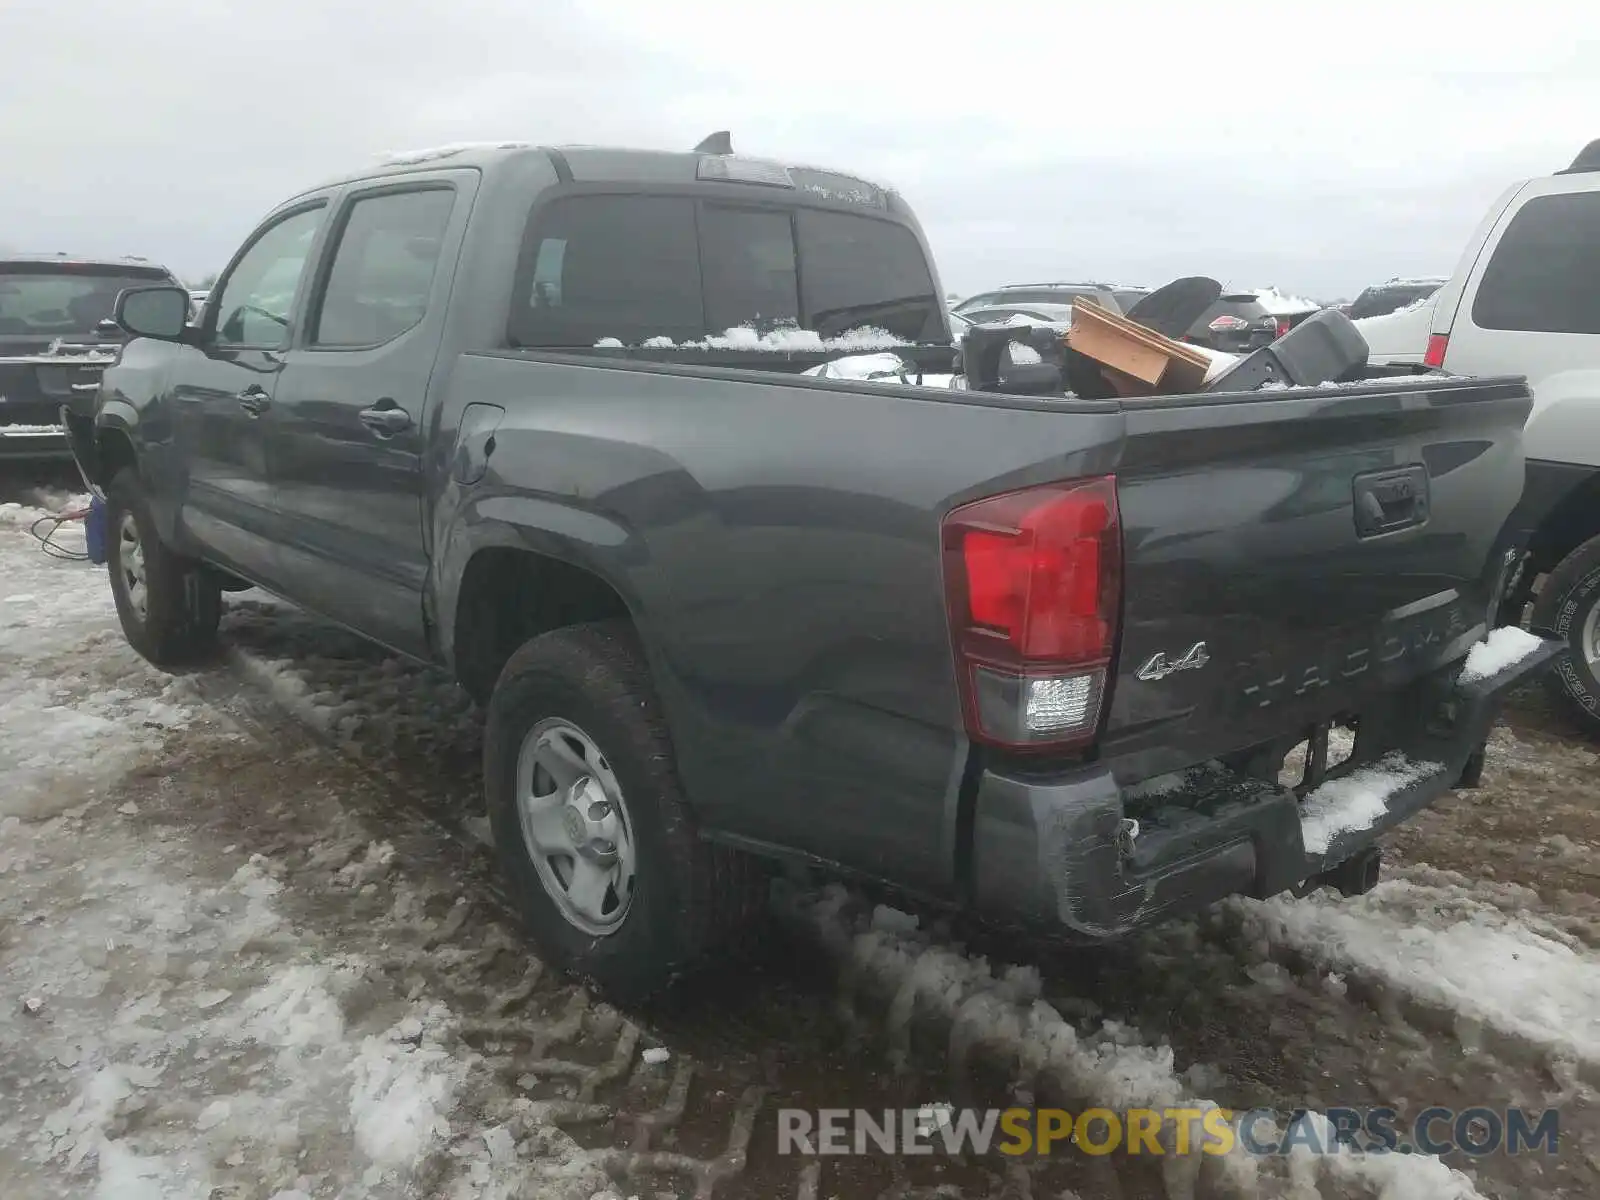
{"points": [[386, 418], [254, 400]]}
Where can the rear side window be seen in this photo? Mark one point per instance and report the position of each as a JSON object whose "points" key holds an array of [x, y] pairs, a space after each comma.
{"points": [[625, 267], [1545, 273], [860, 271], [635, 268], [383, 268]]}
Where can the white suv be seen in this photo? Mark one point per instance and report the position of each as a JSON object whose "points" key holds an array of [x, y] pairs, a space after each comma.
{"points": [[1525, 300]]}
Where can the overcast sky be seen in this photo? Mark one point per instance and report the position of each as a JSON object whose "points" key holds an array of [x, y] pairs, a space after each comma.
{"points": [[1315, 147]]}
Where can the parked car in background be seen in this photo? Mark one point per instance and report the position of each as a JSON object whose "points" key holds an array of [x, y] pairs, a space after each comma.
{"points": [[1401, 336], [1128, 295], [197, 301], [1525, 300], [1240, 322], [1032, 294], [486, 406], [48, 297], [55, 331], [1384, 298]]}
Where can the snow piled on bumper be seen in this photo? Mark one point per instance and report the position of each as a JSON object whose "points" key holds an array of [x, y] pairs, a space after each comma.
{"points": [[1358, 800], [1503, 648]]}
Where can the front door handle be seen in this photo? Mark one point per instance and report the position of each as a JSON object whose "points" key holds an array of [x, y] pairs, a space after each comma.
{"points": [[386, 418], [254, 400]]}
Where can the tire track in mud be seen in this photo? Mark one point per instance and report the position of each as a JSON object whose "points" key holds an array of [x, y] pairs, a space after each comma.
{"points": [[802, 1020]]}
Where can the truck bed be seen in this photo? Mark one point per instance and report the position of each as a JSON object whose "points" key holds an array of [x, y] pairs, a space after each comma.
{"points": [[778, 542]]}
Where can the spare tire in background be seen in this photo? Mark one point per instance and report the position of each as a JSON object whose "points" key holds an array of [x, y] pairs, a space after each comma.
{"points": [[1568, 608]]}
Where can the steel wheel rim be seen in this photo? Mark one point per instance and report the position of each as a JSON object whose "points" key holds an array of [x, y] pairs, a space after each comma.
{"points": [[1590, 639], [131, 561], [576, 828]]}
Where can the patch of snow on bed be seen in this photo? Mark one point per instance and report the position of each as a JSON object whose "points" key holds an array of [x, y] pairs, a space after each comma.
{"points": [[1357, 800], [780, 341], [1448, 945], [1023, 355], [861, 366], [1504, 647]]}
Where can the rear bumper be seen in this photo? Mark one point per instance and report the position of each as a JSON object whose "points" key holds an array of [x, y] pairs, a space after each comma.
{"points": [[31, 443], [1052, 851]]}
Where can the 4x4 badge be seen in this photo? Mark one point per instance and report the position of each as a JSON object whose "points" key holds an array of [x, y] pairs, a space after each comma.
{"points": [[1157, 667]]}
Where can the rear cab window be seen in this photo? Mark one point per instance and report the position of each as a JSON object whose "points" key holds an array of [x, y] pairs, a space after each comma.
{"points": [[643, 270], [60, 299], [1544, 275]]}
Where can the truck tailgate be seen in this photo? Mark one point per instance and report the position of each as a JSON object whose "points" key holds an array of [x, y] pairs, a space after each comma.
{"points": [[1287, 554]]}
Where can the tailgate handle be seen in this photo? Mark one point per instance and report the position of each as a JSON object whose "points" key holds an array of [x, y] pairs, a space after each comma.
{"points": [[1389, 501]]}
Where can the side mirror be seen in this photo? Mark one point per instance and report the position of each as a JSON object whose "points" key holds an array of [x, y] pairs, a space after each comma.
{"points": [[154, 312]]}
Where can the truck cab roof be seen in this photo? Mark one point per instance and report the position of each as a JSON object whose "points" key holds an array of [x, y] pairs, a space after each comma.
{"points": [[626, 165], [129, 263]]}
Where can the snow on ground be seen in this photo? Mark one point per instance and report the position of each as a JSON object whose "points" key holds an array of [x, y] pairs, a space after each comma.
{"points": [[1444, 941], [1504, 647], [1002, 1014], [168, 1030]]}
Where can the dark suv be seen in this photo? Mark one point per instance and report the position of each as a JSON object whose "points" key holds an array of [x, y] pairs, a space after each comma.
{"points": [[1239, 322], [51, 308]]}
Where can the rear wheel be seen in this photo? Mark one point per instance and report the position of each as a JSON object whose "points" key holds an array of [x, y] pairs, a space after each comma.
{"points": [[590, 822], [169, 605], [1568, 607]]}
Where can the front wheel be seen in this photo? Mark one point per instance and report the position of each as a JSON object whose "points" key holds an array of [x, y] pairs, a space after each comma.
{"points": [[1568, 607], [590, 822], [169, 605]]}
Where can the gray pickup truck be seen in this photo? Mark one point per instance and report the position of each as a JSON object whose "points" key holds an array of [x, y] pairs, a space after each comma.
{"points": [[537, 415]]}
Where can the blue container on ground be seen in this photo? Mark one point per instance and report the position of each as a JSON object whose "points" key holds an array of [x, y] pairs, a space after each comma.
{"points": [[94, 530]]}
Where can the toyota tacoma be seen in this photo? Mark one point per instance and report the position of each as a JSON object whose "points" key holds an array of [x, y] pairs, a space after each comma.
{"points": [[539, 415]]}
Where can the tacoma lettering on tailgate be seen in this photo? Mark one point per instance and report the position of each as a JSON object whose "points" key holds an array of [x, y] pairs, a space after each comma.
{"points": [[1267, 681]]}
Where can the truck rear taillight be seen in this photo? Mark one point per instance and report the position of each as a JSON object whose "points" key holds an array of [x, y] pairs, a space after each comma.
{"points": [[1438, 343], [1284, 325], [1033, 584]]}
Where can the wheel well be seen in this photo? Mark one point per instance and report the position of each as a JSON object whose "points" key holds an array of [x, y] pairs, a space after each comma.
{"points": [[1570, 524], [508, 596], [113, 451]]}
